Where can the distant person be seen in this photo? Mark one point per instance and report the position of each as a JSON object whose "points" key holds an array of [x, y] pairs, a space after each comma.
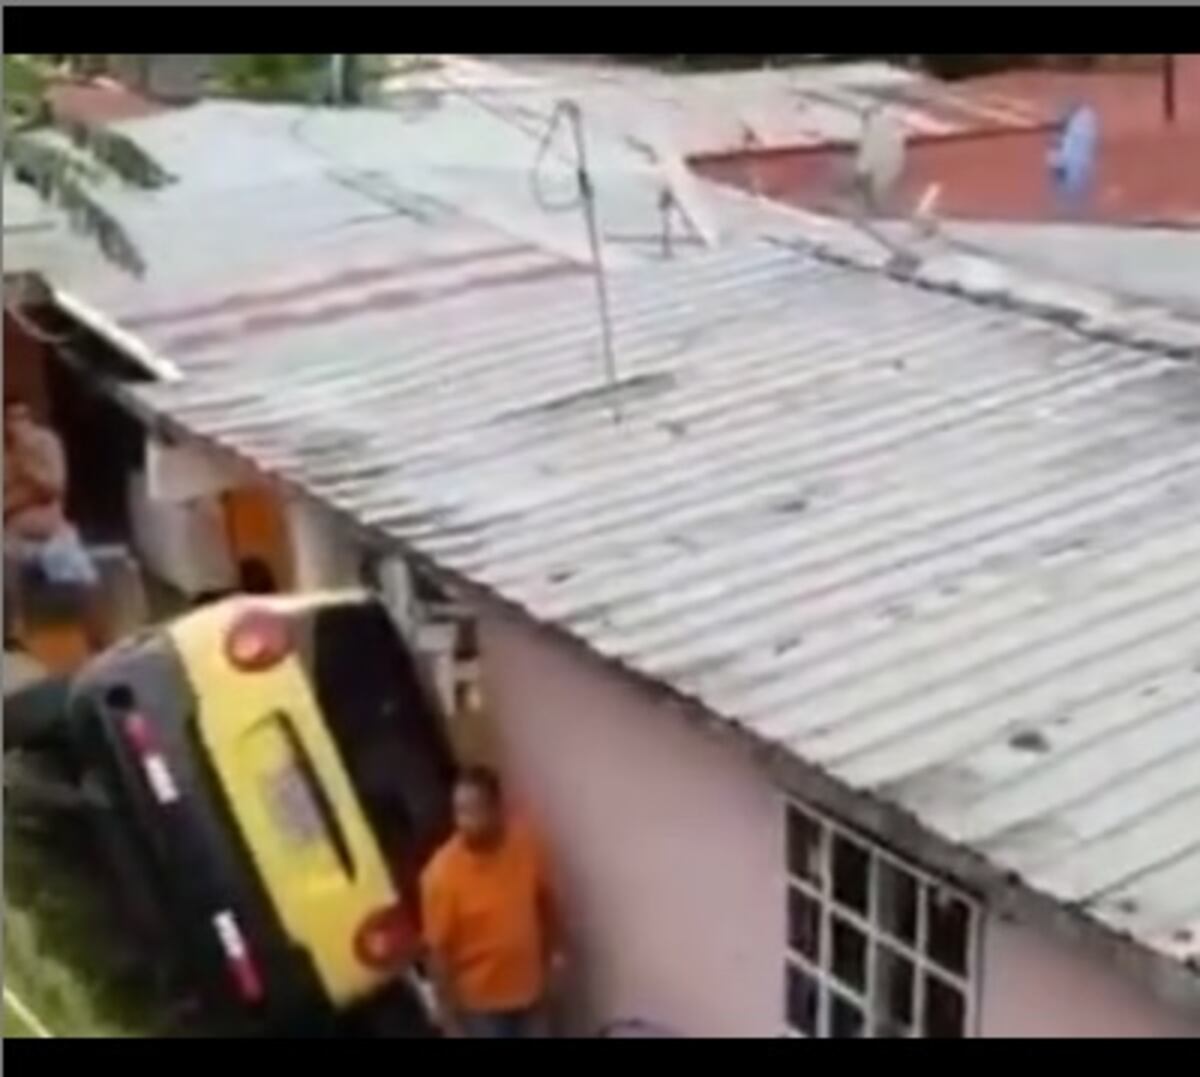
{"points": [[39, 541], [490, 920]]}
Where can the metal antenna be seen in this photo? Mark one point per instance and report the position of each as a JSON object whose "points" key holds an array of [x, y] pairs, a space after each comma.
{"points": [[588, 197]]}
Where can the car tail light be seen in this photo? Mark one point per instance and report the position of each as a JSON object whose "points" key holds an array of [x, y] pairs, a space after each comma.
{"points": [[140, 734], [258, 640], [242, 968], [386, 938]]}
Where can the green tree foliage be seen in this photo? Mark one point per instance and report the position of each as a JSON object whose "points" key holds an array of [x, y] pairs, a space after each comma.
{"points": [[25, 79], [274, 76], [70, 166], [299, 77]]}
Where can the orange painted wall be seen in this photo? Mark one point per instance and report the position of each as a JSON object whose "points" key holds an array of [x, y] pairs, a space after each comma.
{"points": [[258, 528]]}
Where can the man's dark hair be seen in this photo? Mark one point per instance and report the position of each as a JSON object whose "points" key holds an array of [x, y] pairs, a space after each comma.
{"points": [[485, 779], [255, 577], [13, 398]]}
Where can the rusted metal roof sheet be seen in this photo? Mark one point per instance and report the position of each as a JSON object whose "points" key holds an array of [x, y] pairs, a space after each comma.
{"points": [[948, 552]]}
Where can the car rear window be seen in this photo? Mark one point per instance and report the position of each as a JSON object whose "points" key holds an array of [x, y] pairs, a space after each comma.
{"points": [[389, 737]]}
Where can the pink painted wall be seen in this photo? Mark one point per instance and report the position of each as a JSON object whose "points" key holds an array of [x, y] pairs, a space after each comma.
{"points": [[1036, 987], [669, 844]]}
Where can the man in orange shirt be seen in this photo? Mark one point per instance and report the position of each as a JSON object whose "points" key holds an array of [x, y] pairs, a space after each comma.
{"points": [[491, 924]]}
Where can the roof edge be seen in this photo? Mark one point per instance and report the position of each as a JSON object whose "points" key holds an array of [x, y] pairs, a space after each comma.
{"points": [[156, 365], [1095, 314]]}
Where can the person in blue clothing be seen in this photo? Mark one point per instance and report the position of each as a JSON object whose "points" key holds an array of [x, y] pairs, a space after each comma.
{"points": [[40, 543]]}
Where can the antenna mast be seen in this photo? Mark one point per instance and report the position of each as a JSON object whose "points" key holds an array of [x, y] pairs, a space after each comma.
{"points": [[587, 196]]}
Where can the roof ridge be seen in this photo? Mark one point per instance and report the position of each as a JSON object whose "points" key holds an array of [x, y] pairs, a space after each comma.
{"points": [[1091, 312]]}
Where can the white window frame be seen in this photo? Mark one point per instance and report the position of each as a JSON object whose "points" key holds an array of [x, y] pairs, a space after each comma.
{"points": [[969, 985]]}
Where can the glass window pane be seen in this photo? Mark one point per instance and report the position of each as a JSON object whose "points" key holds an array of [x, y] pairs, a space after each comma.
{"points": [[945, 1010], [897, 901], [849, 954], [805, 841], [894, 987], [845, 1019], [948, 923], [804, 925], [801, 1000], [851, 873]]}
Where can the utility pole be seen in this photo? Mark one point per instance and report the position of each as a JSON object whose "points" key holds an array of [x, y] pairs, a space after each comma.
{"points": [[352, 79], [344, 87], [337, 78], [1168, 72]]}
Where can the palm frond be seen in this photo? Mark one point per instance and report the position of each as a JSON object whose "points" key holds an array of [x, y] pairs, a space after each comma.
{"points": [[66, 179], [273, 76], [42, 163], [25, 80], [68, 174], [124, 157]]}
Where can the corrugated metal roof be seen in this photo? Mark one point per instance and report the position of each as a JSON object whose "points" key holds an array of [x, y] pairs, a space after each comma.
{"points": [[947, 552], [32, 229], [269, 189], [713, 113], [1158, 264], [271, 199], [271, 204], [24, 211]]}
